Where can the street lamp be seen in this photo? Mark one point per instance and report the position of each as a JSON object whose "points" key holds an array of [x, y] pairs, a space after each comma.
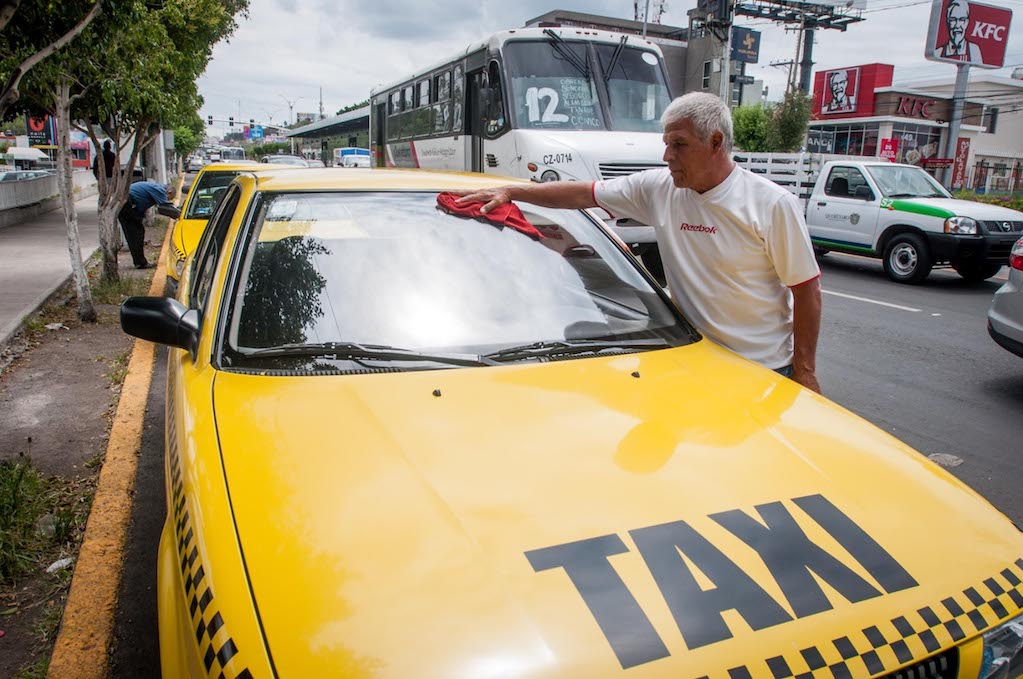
{"points": [[291, 110]]}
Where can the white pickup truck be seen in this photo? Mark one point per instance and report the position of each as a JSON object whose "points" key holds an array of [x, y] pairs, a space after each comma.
{"points": [[900, 214]]}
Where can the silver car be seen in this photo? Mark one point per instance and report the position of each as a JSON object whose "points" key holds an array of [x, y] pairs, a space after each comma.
{"points": [[1005, 317]]}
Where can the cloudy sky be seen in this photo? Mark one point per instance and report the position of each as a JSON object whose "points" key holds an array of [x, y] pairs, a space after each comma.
{"points": [[287, 50]]}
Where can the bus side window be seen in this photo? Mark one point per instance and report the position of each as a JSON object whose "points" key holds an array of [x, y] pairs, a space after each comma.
{"points": [[457, 100], [407, 101], [496, 121]]}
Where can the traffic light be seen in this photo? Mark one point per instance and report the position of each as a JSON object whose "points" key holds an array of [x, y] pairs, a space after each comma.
{"points": [[252, 121], [230, 121], [209, 120]]}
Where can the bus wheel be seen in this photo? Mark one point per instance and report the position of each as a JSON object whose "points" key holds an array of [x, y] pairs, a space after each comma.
{"points": [[652, 261], [907, 259]]}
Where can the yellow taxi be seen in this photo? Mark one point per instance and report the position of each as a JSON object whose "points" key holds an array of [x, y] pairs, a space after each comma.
{"points": [[402, 443], [202, 199]]}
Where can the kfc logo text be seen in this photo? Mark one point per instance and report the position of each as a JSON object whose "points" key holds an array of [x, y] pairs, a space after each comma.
{"points": [[698, 227], [988, 32]]}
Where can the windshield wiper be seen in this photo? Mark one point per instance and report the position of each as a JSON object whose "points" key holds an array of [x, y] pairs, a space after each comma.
{"points": [[561, 46], [614, 60], [569, 347], [355, 351]]}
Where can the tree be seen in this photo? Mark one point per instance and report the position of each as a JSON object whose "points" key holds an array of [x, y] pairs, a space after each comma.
{"points": [[750, 127], [28, 48], [789, 121], [352, 107], [188, 136]]}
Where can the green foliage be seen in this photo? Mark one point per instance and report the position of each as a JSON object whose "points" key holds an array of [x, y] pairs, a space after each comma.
{"points": [[352, 107], [1011, 201], [269, 149], [189, 135], [21, 489], [789, 119], [750, 125]]}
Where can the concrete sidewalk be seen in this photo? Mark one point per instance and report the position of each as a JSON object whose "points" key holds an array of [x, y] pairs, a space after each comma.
{"points": [[34, 261]]}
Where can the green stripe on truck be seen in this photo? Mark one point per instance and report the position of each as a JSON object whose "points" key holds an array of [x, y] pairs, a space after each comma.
{"points": [[915, 208]]}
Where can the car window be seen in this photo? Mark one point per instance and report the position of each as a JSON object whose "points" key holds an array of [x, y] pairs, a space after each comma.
{"points": [[210, 247], [207, 194], [391, 269], [842, 182]]}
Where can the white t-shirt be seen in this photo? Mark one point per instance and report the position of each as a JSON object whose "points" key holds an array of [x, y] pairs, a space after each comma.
{"points": [[730, 254]]}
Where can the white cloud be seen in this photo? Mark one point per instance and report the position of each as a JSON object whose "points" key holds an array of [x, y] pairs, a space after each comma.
{"points": [[292, 48]]}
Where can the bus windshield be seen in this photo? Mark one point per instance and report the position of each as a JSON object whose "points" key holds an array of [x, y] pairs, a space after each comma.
{"points": [[636, 88], [554, 86]]}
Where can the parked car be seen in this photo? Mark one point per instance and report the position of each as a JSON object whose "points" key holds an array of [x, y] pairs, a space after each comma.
{"points": [[18, 175], [199, 204], [196, 163], [355, 161], [285, 160], [1005, 317], [401, 443]]}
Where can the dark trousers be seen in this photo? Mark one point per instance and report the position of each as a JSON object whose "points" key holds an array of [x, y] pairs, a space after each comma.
{"points": [[134, 233]]}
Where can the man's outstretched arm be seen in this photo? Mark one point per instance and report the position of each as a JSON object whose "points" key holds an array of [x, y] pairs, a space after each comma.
{"points": [[568, 195]]}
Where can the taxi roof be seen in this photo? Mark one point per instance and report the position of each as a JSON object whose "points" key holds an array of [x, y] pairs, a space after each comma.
{"points": [[236, 165], [380, 179]]}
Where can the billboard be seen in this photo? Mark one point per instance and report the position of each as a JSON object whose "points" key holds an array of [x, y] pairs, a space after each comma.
{"points": [[839, 95], [968, 32]]}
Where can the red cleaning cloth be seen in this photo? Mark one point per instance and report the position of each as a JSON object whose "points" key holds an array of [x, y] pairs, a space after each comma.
{"points": [[506, 214]]}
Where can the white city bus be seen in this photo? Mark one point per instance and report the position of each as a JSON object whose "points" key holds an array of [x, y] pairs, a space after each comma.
{"points": [[538, 103]]}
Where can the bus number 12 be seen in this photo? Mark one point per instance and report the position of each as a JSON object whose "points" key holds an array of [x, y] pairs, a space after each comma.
{"points": [[533, 97]]}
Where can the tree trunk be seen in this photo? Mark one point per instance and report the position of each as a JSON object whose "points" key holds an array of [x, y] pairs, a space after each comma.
{"points": [[86, 311]]}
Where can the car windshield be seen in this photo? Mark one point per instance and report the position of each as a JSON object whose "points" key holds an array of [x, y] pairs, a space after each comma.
{"points": [[897, 181], [325, 272], [205, 195]]}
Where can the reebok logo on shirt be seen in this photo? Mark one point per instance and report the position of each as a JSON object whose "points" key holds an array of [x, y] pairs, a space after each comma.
{"points": [[698, 227]]}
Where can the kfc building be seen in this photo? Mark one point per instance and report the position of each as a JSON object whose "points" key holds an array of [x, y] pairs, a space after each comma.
{"points": [[857, 111]]}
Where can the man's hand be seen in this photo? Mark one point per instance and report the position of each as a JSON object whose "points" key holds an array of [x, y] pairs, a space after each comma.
{"points": [[490, 197], [807, 378]]}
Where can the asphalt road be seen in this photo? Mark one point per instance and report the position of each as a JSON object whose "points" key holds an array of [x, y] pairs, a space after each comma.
{"points": [[914, 360], [925, 370]]}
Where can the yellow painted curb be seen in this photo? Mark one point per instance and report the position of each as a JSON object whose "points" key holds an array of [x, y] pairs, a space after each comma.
{"points": [[83, 645]]}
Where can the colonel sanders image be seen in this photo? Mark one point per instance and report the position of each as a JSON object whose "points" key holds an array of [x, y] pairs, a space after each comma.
{"points": [[841, 99], [957, 20]]}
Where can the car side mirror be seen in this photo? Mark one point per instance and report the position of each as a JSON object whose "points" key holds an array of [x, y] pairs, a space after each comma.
{"points": [[163, 320], [863, 191], [168, 211], [185, 189]]}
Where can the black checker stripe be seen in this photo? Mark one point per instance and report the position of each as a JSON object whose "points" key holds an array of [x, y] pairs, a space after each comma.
{"points": [[919, 636], [216, 647]]}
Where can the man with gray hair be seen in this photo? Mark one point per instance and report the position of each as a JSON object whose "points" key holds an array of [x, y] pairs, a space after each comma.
{"points": [[736, 252]]}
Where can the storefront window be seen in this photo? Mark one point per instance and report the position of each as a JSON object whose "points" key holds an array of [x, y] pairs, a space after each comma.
{"points": [[853, 139], [916, 142]]}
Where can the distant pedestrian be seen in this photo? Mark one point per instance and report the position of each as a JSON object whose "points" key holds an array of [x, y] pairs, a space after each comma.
{"points": [[109, 160], [141, 197]]}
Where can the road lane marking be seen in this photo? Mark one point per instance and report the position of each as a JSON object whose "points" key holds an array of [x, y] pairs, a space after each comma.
{"points": [[870, 301]]}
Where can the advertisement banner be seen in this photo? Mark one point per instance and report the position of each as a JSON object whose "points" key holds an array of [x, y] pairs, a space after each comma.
{"points": [[840, 91], [961, 158], [820, 141], [41, 131], [745, 45], [966, 32], [888, 149]]}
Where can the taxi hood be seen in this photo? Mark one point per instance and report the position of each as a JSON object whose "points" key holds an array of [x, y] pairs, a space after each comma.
{"points": [[673, 513]]}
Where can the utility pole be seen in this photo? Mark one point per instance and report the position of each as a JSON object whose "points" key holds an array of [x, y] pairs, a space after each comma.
{"points": [[726, 57]]}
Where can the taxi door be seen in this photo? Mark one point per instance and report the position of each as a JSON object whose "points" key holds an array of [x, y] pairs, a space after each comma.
{"points": [[848, 211]]}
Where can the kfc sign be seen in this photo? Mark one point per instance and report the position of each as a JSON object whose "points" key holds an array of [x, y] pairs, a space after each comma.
{"points": [[968, 32], [840, 91]]}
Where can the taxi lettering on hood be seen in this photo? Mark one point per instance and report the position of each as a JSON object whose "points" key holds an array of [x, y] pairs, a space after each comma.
{"points": [[791, 557]]}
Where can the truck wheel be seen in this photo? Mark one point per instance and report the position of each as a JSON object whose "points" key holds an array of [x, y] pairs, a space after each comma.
{"points": [[975, 272], [819, 251], [907, 259]]}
